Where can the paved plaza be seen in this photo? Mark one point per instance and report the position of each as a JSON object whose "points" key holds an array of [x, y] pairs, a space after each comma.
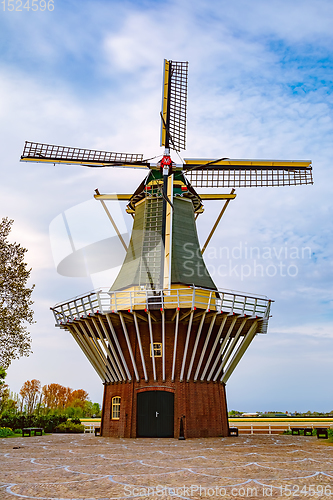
{"points": [[68, 467]]}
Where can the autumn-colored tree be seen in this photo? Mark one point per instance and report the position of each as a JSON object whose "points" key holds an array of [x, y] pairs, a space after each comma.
{"points": [[78, 398], [29, 393], [15, 299], [53, 396], [56, 396]]}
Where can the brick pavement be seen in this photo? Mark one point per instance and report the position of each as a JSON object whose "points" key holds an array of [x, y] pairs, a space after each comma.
{"points": [[71, 467]]}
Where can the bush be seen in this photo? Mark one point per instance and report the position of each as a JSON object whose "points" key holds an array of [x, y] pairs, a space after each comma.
{"points": [[70, 427], [76, 421], [20, 420], [5, 432], [49, 422]]}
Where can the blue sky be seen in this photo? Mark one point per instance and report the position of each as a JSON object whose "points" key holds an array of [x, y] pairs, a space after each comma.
{"points": [[88, 74]]}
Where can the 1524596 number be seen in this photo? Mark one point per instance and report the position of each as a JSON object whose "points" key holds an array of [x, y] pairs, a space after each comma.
{"points": [[20, 6]]}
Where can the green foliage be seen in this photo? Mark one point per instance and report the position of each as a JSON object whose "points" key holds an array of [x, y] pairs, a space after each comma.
{"points": [[15, 298], [6, 431], [76, 421], [87, 409], [20, 420], [4, 390], [74, 412], [70, 427], [234, 413]]}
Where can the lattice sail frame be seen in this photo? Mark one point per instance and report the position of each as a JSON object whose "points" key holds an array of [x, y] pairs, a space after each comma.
{"points": [[247, 173], [36, 151], [174, 105]]}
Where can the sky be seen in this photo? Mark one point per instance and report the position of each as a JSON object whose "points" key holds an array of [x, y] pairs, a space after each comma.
{"points": [[88, 74]]}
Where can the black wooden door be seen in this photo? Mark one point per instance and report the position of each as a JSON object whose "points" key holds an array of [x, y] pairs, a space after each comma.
{"points": [[155, 414]]}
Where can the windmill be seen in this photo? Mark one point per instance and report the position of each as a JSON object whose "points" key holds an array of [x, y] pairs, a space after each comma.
{"points": [[163, 339]]}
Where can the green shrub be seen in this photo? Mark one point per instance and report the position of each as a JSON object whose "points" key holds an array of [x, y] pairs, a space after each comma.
{"points": [[76, 420], [20, 420], [6, 431], [70, 427]]}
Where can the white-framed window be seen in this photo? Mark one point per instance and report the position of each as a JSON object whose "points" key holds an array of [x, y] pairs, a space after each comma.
{"points": [[115, 408], [157, 346]]}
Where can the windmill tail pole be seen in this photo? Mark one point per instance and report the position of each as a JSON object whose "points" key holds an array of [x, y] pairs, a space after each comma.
{"points": [[216, 223], [181, 430]]}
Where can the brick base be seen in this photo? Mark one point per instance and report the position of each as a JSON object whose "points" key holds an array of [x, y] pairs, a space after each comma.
{"points": [[203, 404]]}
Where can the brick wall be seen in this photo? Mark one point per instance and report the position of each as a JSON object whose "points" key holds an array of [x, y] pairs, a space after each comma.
{"points": [[202, 403]]}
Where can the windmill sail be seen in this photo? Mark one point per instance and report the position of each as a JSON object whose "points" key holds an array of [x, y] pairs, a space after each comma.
{"points": [[38, 152], [174, 104], [247, 173]]}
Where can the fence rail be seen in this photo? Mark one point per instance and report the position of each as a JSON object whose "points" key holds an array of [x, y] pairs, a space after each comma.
{"points": [[105, 302], [275, 429]]}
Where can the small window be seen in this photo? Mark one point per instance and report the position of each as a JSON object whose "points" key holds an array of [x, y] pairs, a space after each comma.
{"points": [[115, 409], [157, 350]]}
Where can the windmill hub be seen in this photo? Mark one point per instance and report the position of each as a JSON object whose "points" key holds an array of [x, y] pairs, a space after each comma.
{"points": [[164, 322], [166, 164]]}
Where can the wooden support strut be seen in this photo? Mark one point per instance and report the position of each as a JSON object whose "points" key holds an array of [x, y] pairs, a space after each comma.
{"points": [[239, 353], [152, 345], [118, 367], [231, 347], [129, 346], [217, 338], [220, 352], [80, 343], [175, 346], [203, 351], [194, 350], [217, 222], [102, 354], [140, 346], [107, 349], [112, 220], [114, 335], [186, 346]]}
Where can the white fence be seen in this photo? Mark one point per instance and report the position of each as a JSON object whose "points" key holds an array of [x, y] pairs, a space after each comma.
{"points": [[111, 302], [279, 428]]}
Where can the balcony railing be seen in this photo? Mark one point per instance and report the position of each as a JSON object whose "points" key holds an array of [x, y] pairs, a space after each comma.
{"points": [[105, 302]]}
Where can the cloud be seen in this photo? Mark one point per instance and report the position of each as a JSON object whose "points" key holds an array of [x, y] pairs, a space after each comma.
{"points": [[260, 85], [322, 330]]}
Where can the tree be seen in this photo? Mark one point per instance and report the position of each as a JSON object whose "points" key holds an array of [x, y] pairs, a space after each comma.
{"points": [[29, 393], [78, 398], [15, 298], [7, 401], [4, 390]]}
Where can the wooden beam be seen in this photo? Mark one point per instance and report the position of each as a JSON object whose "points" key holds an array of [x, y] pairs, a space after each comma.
{"points": [[186, 346], [207, 197], [217, 222], [113, 197], [175, 347], [112, 221]]}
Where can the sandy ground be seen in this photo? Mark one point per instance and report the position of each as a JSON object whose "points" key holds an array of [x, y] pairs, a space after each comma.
{"points": [[68, 467]]}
